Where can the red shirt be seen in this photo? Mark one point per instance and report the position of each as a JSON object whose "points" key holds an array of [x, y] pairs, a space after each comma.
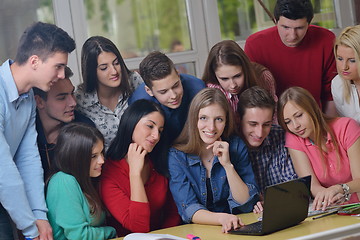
{"points": [[310, 65], [159, 212]]}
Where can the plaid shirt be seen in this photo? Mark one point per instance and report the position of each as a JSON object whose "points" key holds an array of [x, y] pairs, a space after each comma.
{"points": [[271, 161]]}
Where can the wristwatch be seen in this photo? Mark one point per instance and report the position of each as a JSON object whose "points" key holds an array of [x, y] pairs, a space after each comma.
{"points": [[346, 190]]}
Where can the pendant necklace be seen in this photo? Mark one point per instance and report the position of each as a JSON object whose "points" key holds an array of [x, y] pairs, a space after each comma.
{"points": [[209, 160]]}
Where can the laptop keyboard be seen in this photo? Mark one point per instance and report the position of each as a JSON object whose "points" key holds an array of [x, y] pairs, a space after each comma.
{"points": [[255, 227]]}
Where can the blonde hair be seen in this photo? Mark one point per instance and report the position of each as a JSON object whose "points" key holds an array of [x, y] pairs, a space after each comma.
{"points": [[349, 37], [303, 99], [189, 140]]}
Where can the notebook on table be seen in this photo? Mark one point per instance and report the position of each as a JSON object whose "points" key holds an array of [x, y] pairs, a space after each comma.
{"points": [[285, 205], [151, 236]]}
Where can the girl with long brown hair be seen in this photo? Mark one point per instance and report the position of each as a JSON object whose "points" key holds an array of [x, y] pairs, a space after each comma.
{"points": [[75, 208], [326, 148]]}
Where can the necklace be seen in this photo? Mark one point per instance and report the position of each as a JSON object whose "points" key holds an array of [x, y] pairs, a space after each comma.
{"points": [[209, 160]]}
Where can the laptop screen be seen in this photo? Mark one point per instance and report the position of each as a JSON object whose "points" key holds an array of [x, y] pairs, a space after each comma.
{"points": [[286, 204]]}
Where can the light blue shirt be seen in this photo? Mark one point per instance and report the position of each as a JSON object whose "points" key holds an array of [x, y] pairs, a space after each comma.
{"points": [[21, 174]]}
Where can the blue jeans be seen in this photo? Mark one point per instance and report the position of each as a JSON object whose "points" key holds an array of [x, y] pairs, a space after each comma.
{"points": [[6, 231]]}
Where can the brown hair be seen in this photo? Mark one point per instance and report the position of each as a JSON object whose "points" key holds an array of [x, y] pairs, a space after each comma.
{"points": [[303, 99], [73, 152], [228, 52], [189, 140], [155, 66], [255, 97], [92, 48]]}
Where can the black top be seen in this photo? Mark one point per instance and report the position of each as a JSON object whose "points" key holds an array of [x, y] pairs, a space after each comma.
{"points": [[46, 149]]}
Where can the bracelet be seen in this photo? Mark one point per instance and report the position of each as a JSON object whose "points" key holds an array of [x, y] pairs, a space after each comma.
{"points": [[346, 190]]}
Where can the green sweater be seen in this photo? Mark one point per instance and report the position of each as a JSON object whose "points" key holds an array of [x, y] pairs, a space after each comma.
{"points": [[69, 213]]}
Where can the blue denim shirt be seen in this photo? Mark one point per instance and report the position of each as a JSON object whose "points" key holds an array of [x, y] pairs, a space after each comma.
{"points": [[188, 182]]}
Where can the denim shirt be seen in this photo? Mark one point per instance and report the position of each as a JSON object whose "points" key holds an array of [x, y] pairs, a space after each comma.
{"points": [[188, 182]]}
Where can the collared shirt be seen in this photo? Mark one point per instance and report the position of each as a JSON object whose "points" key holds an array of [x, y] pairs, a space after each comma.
{"points": [[268, 82], [271, 161], [265, 77], [347, 132], [106, 120], [232, 99], [46, 149], [21, 174], [174, 118], [188, 182], [345, 109]]}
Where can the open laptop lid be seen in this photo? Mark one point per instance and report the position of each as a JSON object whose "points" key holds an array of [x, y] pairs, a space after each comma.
{"points": [[286, 204]]}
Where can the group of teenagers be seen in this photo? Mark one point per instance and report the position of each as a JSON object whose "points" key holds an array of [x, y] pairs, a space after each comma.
{"points": [[135, 152]]}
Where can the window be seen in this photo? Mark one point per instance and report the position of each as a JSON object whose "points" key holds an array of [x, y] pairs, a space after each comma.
{"points": [[15, 17], [138, 27], [241, 18]]}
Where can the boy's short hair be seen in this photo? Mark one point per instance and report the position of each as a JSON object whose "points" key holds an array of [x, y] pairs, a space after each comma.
{"points": [[43, 40], [255, 97], [43, 94], [155, 66], [294, 9]]}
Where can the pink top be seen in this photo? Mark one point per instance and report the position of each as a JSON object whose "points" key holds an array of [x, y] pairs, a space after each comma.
{"points": [[347, 131], [232, 99], [268, 81]]}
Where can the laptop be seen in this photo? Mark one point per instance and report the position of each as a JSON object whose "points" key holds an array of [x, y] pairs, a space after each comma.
{"points": [[285, 204]]}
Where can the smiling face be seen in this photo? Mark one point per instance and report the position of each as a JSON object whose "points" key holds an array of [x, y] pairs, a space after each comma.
{"points": [[49, 71], [60, 103], [346, 63], [231, 78], [256, 125], [148, 130], [298, 121], [211, 123], [108, 70], [292, 32], [168, 91], [97, 159]]}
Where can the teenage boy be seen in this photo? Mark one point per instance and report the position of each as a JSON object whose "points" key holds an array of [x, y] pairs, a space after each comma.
{"points": [[173, 91], [297, 53], [55, 108], [266, 142], [40, 61]]}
